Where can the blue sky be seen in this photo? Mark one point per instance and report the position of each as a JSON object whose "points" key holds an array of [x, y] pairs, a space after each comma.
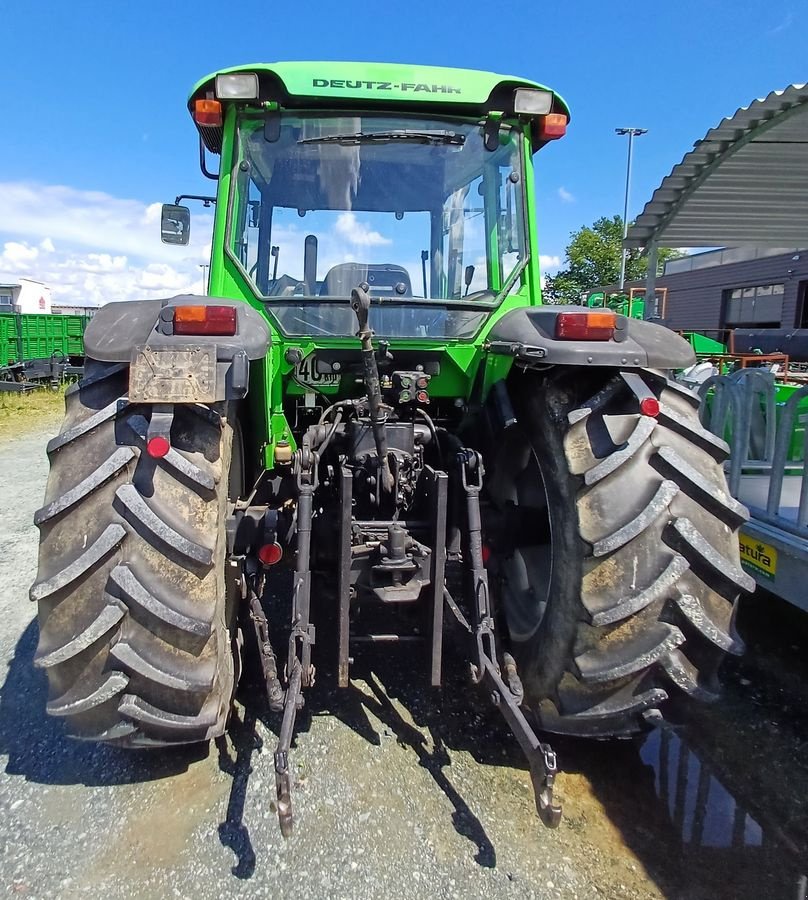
{"points": [[96, 133]]}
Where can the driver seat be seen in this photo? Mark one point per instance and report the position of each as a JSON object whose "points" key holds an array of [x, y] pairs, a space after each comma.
{"points": [[384, 279]]}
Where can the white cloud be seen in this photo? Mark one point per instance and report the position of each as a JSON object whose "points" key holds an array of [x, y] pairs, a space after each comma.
{"points": [[160, 277], [92, 279], [565, 195], [92, 219], [549, 262], [93, 262], [92, 248], [356, 232], [18, 256]]}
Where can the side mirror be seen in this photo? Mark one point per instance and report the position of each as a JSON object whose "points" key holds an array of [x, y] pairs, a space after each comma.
{"points": [[175, 224], [468, 277]]}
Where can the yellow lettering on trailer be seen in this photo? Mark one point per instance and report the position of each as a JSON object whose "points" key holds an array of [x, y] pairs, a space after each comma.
{"points": [[757, 555]]}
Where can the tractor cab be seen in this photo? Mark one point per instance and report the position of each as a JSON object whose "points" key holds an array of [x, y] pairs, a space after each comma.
{"points": [[412, 180]]}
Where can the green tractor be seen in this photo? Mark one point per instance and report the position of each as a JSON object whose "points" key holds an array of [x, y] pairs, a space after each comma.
{"points": [[373, 410]]}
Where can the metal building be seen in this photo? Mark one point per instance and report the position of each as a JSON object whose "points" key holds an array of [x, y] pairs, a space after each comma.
{"points": [[740, 287], [745, 183]]}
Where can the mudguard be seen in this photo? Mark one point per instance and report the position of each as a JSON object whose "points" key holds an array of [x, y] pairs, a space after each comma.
{"points": [[529, 335], [123, 332]]}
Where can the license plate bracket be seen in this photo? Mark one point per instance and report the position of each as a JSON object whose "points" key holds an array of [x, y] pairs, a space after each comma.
{"points": [[176, 374]]}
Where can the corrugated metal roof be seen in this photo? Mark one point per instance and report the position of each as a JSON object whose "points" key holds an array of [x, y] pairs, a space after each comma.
{"points": [[745, 182]]}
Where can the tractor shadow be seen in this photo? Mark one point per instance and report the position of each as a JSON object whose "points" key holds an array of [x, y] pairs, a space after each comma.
{"points": [[437, 725], [714, 805], [436, 732], [383, 684], [39, 749], [245, 740]]}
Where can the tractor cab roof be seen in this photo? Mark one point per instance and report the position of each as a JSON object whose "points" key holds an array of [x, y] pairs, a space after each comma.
{"points": [[347, 85]]}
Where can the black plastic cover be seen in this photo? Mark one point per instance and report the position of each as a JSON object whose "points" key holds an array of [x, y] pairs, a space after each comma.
{"points": [[529, 334], [117, 328]]}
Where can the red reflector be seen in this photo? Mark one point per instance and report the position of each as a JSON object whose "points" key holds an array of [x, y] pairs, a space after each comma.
{"points": [[649, 406], [208, 112], [157, 447], [205, 320], [553, 126], [590, 326], [486, 554], [269, 554]]}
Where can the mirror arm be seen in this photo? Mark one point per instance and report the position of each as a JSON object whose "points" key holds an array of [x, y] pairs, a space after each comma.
{"points": [[206, 200]]}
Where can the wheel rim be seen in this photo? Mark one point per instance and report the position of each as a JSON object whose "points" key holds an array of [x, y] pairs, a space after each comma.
{"points": [[524, 552]]}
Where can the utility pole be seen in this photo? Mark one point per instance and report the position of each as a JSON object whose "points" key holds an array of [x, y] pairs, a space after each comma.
{"points": [[632, 133], [204, 267]]}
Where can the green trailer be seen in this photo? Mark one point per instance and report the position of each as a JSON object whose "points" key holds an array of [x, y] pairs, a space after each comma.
{"points": [[7, 339], [40, 347], [32, 336]]}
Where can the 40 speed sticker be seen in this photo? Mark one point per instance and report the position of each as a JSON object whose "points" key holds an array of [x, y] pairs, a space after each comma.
{"points": [[758, 556], [306, 375]]}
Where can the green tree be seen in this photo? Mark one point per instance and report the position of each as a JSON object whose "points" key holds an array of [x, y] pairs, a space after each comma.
{"points": [[593, 260]]}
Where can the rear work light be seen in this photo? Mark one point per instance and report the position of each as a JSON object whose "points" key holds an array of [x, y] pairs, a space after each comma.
{"points": [[553, 126], [217, 320], [588, 326], [208, 112], [237, 86], [529, 102]]}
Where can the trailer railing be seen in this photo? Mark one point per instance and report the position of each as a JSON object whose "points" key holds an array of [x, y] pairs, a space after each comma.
{"points": [[743, 409]]}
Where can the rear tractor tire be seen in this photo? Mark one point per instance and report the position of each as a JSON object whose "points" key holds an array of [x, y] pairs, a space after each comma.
{"points": [[617, 563], [135, 616]]}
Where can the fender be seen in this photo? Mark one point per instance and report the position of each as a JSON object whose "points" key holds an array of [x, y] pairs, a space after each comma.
{"points": [[120, 331], [529, 335]]}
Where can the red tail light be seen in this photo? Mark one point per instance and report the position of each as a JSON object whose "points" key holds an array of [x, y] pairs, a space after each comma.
{"points": [[553, 126], [585, 326], [219, 320]]}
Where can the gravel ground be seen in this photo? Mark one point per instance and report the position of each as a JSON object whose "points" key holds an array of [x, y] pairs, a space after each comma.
{"points": [[398, 794]]}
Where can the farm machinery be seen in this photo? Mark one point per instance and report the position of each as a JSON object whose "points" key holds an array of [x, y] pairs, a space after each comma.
{"points": [[39, 349], [372, 411]]}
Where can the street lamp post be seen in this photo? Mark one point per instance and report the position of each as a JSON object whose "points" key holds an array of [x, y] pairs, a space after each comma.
{"points": [[204, 267], [632, 133]]}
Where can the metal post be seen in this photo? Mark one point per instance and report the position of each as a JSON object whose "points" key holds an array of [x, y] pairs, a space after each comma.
{"points": [[632, 133], [650, 311], [625, 211]]}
